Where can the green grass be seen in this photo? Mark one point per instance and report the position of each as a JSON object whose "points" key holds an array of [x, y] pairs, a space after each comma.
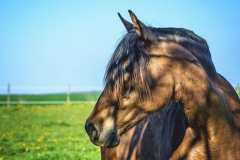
{"points": [[91, 96], [49, 132]]}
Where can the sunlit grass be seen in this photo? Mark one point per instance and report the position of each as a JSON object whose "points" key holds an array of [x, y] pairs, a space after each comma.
{"points": [[45, 132]]}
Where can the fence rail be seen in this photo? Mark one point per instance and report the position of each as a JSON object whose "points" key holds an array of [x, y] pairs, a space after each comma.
{"points": [[46, 102], [46, 90]]}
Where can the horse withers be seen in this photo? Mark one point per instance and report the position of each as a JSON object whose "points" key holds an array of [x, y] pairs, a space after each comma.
{"points": [[152, 67]]}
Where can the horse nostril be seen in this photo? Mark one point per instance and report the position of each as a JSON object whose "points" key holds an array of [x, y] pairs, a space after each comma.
{"points": [[92, 131]]}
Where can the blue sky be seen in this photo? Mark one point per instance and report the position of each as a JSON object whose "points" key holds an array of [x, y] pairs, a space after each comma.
{"points": [[56, 43]]}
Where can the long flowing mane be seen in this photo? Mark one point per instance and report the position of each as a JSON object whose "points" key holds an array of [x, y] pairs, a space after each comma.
{"points": [[130, 48]]}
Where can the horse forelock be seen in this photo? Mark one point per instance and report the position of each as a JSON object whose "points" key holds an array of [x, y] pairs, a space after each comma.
{"points": [[129, 49]]}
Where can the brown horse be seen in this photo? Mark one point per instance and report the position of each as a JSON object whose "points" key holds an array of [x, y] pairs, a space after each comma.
{"points": [[122, 149], [152, 67], [139, 141]]}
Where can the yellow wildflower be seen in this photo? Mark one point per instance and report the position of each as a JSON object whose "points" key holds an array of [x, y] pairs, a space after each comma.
{"points": [[40, 139], [37, 147]]}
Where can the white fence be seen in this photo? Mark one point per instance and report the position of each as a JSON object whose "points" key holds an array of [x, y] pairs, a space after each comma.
{"points": [[36, 90]]}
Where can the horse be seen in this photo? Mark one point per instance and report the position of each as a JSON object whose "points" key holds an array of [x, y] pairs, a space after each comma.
{"points": [[150, 68], [137, 143], [119, 153]]}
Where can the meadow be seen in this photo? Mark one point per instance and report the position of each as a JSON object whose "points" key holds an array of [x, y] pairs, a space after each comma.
{"points": [[46, 132]]}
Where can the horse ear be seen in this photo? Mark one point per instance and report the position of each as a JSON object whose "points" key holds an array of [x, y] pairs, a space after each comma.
{"points": [[128, 25], [142, 30]]}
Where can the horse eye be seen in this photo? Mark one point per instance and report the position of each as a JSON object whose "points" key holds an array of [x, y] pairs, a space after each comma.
{"points": [[126, 69], [127, 93]]}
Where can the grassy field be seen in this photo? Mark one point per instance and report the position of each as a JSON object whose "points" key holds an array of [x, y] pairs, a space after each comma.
{"points": [[45, 132]]}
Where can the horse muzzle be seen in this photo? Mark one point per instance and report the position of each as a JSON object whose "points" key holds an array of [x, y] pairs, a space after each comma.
{"points": [[102, 137]]}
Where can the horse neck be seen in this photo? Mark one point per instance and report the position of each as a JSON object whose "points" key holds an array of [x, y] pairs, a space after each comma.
{"points": [[201, 100], [203, 55], [224, 87], [212, 120]]}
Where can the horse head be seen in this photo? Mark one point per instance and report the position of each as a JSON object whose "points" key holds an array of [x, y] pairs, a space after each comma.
{"points": [[139, 81]]}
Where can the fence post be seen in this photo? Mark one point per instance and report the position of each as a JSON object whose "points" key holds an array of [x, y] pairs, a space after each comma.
{"points": [[68, 94], [8, 95]]}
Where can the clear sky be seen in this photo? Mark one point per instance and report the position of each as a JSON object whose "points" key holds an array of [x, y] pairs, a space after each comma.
{"points": [[56, 43]]}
